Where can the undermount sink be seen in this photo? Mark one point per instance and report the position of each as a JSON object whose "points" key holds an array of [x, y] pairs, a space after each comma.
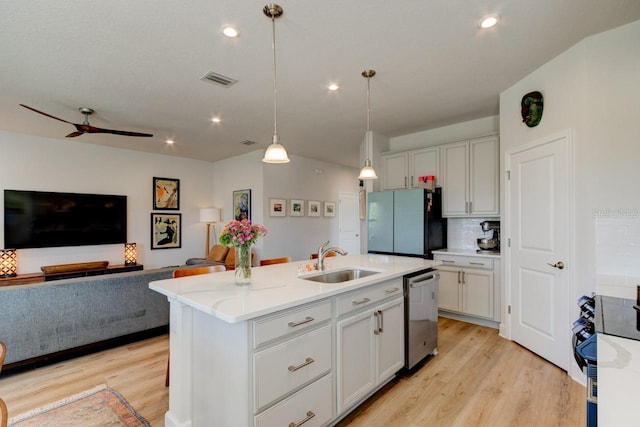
{"points": [[341, 275]]}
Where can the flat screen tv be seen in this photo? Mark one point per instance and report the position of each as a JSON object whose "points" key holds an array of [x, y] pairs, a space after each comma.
{"points": [[37, 219]]}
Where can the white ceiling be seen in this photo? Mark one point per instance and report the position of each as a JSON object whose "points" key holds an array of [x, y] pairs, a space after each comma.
{"points": [[139, 64]]}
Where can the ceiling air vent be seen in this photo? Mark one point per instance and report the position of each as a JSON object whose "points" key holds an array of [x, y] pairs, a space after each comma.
{"points": [[247, 142], [218, 79]]}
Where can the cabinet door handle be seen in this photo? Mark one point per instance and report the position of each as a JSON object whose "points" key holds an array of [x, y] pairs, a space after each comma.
{"points": [[362, 301], [302, 322], [459, 276], [381, 317], [463, 282], [391, 290], [307, 361], [299, 423], [379, 322], [470, 207], [405, 181], [412, 180]]}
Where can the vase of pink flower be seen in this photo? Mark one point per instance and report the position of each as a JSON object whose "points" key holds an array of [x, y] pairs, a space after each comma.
{"points": [[241, 235]]}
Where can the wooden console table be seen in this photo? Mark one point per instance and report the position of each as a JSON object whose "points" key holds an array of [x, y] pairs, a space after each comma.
{"points": [[25, 279]]}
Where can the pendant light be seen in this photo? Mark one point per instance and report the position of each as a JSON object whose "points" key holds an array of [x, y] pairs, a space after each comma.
{"points": [[367, 172], [275, 152]]}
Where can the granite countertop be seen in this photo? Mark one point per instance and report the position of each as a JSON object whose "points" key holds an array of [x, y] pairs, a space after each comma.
{"points": [[466, 252], [278, 287]]}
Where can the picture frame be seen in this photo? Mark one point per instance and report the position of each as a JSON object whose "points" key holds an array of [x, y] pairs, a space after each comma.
{"points": [[166, 230], [296, 207], [242, 205], [166, 194], [329, 209], [363, 204], [277, 207], [314, 208]]}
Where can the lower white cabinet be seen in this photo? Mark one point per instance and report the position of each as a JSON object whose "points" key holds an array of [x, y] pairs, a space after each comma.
{"points": [[468, 286], [311, 407], [370, 350]]}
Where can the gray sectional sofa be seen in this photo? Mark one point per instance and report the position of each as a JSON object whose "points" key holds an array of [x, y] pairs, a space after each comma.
{"points": [[54, 318]]}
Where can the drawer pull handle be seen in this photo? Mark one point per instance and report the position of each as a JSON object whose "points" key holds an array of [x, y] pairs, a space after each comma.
{"points": [[362, 301], [307, 361], [476, 263], [302, 322], [392, 290], [449, 261], [299, 423]]}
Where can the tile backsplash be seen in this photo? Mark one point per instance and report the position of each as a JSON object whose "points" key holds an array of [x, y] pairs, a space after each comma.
{"points": [[463, 232], [617, 255]]}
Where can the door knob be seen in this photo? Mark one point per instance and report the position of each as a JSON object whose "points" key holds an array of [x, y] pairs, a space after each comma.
{"points": [[559, 265]]}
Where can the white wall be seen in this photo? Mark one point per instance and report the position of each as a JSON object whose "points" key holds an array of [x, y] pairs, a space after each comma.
{"points": [[35, 163], [593, 90], [305, 179], [442, 135]]}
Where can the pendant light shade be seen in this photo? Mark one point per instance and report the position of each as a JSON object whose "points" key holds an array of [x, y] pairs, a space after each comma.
{"points": [[367, 171], [275, 152]]}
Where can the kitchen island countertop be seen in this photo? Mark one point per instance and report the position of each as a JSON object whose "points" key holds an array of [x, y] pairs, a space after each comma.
{"points": [[278, 287]]}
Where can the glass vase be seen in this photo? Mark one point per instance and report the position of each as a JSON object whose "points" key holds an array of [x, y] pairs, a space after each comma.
{"points": [[243, 265]]}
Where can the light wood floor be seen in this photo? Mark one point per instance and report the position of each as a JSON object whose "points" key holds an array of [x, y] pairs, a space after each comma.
{"points": [[477, 379]]}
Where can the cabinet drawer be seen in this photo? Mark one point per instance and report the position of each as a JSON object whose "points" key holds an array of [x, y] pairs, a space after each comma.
{"points": [[313, 403], [291, 321], [368, 296], [464, 261], [291, 364]]}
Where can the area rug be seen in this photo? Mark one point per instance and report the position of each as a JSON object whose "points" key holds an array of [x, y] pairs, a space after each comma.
{"points": [[100, 406]]}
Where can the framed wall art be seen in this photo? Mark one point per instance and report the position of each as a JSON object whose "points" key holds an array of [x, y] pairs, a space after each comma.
{"points": [[296, 207], [242, 205], [166, 230], [277, 207], [314, 208], [166, 194], [329, 209]]}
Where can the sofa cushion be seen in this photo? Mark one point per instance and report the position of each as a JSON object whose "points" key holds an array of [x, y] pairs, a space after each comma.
{"points": [[218, 253]]}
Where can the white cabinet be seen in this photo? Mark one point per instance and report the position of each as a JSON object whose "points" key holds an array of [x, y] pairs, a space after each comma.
{"points": [[401, 170], [292, 366], [470, 178], [468, 286], [370, 341]]}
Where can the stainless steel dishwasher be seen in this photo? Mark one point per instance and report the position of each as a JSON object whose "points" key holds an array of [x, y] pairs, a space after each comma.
{"points": [[421, 316]]}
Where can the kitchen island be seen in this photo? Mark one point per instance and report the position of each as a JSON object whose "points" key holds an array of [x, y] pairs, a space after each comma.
{"points": [[284, 350]]}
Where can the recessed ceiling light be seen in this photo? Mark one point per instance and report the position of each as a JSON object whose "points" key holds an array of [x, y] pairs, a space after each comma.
{"points": [[169, 141], [489, 21], [216, 120], [333, 87], [230, 31]]}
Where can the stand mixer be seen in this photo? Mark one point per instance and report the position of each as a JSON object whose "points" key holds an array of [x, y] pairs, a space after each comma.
{"points": [[489, 244]]}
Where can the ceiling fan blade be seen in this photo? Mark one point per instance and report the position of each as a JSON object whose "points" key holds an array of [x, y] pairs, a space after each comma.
{"points": [[118, 132], [43, 113], [74, 134]]}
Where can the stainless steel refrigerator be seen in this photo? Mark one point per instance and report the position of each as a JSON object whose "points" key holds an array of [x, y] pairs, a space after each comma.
{"points": [[406, 222]]}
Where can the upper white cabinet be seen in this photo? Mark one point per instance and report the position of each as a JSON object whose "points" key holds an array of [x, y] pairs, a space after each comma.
{"points": [[470, 178], [401, 170]]}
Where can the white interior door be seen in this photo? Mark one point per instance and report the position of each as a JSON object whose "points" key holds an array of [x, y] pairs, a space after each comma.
{"points": [[349, 222], [539, 209]]}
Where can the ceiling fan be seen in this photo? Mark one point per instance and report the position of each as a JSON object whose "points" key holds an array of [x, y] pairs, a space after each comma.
{"points": [[85, 127]]}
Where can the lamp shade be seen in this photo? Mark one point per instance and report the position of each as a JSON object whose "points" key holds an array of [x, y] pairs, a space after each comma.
{"points": [[210, 215], [367, 172], [130, 254], [8, 263], [275, 153]]}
